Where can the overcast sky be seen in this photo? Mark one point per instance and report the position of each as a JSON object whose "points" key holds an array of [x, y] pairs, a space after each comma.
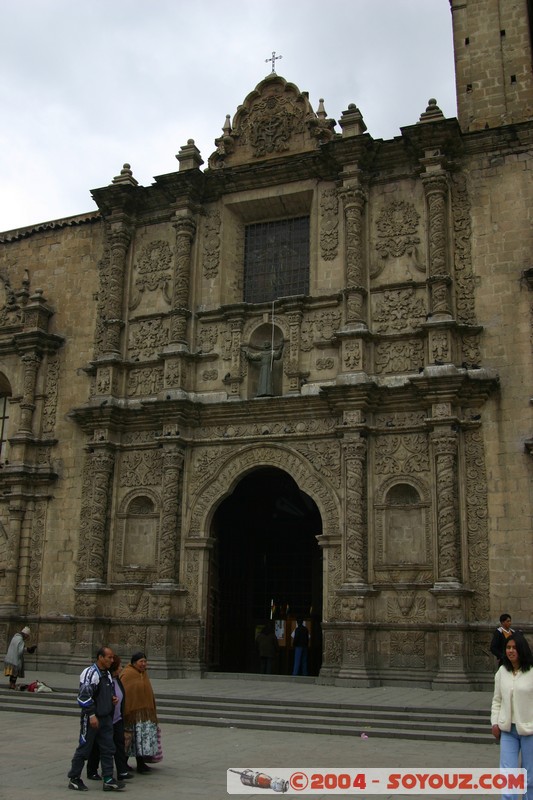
{"points": [[86, 85]]}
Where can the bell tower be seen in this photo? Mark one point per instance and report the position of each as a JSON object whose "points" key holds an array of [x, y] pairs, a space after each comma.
{"points": [[492, 42]]}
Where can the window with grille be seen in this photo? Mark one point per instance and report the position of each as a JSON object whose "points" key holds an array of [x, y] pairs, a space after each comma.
{"points": [[276, 259]]}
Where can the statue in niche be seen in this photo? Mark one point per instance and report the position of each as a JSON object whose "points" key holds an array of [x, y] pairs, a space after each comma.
{"points": [[266, 357]]}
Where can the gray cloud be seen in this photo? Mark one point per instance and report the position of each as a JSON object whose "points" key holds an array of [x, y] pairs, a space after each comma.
{"points": [[85, 87]]}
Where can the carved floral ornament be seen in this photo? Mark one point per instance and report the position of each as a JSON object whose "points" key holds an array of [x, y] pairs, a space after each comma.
{"points": [[153, 270], [397, 229], [267, 122]]}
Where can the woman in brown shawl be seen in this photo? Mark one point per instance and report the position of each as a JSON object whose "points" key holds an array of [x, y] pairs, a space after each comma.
{"points": [[140, 715]]}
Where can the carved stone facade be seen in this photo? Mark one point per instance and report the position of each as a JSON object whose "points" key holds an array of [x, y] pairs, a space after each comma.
{"points": [[400, 405]]}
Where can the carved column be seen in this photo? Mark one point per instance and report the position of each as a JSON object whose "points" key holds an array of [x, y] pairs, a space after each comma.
{"points": [[185, 228], [234, 377], [96, 498], [31, 363], [8, 604], [435, 186], [170, 518], [353, 199], [449, 559], [293, 360], [119, 239], [355, 527]]}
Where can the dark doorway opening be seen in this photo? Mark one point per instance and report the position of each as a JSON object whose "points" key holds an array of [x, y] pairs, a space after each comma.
{"points": [[266, 563]]}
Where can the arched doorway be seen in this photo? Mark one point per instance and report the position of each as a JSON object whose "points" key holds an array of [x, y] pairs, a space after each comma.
{"points": [[265, 559]]}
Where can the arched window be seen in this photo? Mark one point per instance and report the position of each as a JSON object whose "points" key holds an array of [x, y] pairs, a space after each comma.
{"points": [[405, 535], [140, 534]]}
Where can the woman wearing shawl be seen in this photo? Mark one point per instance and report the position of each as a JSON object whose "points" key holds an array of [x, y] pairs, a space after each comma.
{"points": [[14, 661], [140, 714]]}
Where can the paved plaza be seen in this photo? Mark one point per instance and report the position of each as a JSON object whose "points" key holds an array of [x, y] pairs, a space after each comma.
{"points": [[37, 748]]}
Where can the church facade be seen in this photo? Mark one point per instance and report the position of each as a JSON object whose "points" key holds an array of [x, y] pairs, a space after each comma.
{"points": [[293, 384]]}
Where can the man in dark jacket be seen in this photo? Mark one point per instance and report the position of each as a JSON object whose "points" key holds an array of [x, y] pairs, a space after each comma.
{"points": [[96, 699], [499, 639]]}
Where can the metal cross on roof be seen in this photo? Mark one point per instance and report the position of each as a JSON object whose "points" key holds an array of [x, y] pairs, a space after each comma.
{"points": [[273, 58]]}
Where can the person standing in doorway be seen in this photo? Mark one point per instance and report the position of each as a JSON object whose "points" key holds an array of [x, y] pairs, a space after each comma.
{"points": [[267, 644], [300, 643], [500, 637]]}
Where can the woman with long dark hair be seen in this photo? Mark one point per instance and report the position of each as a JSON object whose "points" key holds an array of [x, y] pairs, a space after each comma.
{"points": [[512, 710]]}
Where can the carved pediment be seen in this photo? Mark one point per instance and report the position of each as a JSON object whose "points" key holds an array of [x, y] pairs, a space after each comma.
{"points": [[275, 119]]}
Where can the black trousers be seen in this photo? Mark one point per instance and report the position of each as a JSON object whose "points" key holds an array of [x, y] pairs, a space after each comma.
{"points": [[103, 735], [121, 760]]}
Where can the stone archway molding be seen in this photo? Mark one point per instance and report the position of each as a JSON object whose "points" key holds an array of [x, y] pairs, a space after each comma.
{"points": [[243, 460]]}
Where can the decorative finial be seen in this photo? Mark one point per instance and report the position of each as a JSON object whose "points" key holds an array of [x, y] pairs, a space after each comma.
{"points": [[432, 112], [273, 58], [126, 176]]}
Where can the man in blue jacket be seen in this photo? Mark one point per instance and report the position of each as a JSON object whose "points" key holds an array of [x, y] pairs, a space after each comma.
{"points": [[96, 699]]}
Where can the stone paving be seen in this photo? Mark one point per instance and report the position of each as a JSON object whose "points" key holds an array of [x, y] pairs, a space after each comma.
{"points": [[36, 748]]}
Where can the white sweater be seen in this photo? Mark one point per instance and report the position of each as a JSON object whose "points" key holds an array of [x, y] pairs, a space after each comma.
{"points": [[513, 701]]}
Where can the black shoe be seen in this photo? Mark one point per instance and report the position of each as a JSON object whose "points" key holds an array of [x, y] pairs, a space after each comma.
{"points": [[124, 776], [94, 776], [143, 768], [77, 784], [113, 786]]}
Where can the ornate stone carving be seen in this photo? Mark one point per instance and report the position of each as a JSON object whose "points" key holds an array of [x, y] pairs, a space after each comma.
{"points": [[407, 607], [398, 311], [153, 270], [322, 327], [325, 456], [144, 382], [470, 350], [464, 276], [36, 557], [395, 356], [440, 349], [147, 338], [96, 487], [329, 224], [404, 454], [210, 375], [211, 255], [407, 652], [185, 228], [354, 648], [333, 648], [192, 577], [170, 517], [400, 419], [436, 189], [238, 463], [353, 198], [31, 363], [353, 609], [50, 403], [355, 493], [208, 338], [141, 468], [324, 364], [352, 353], [477, 525], [112, 291], [397, 229], [445, 449], [133, 603], [10, 310]]}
